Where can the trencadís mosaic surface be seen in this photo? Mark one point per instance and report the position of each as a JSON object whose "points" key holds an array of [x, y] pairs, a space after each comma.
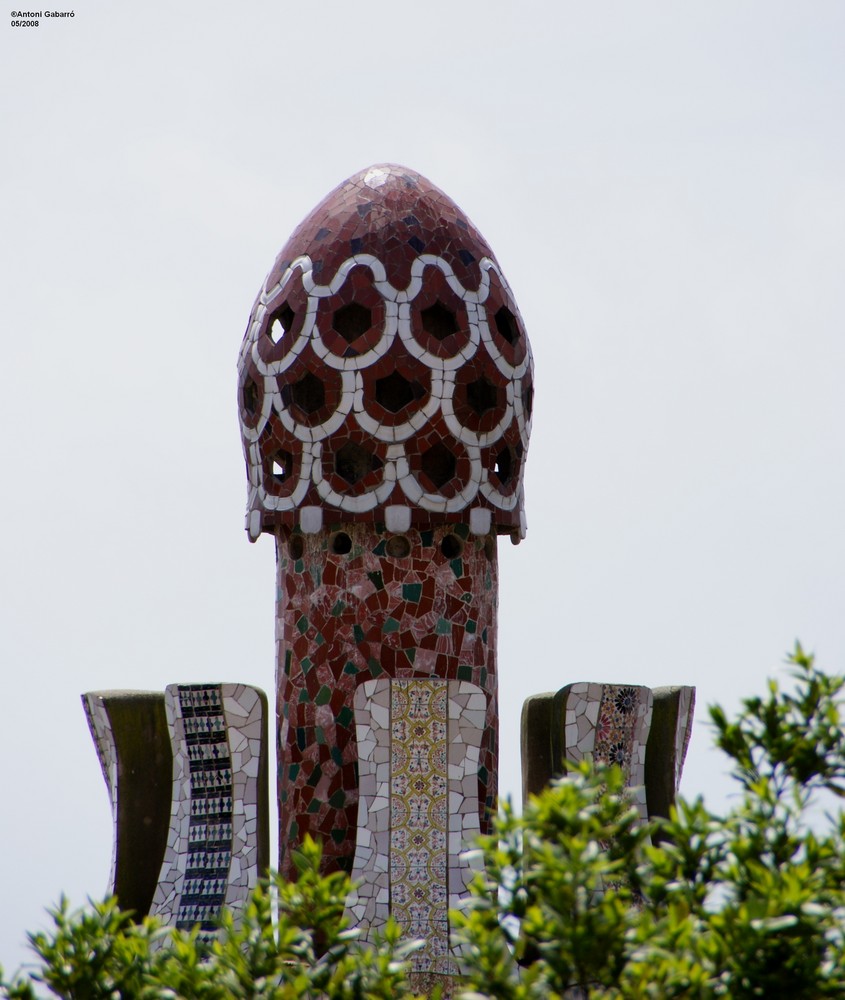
{"points": [[385, 399], [356, 605], [609, 723], [213, 856], [646, 731], [418, 816], [385, 375], [186, 772]]}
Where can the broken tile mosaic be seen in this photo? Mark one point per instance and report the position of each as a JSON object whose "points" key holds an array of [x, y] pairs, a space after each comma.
{"points": [[385, 363], [213, 849], [385, 391], [345, 618], [609, 724], [418, 748]]}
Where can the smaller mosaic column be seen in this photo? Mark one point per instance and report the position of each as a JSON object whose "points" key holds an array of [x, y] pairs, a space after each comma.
{"points": [[646, 732], [218, 843], [129, 729], [419, 746]]}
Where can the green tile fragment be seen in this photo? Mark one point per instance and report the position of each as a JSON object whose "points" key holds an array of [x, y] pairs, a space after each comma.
{"points": [[471, 625], [350, 668], [484, 637], [411, 654], [377, 579], [338, 608], [302, 624], [304, 696], [443, 627], [338, 836], [319, 735], [379, 549], [287, 662], [293, 771], [337, 756], [324, 695], [390, 625], [299, 566], [462, 531], [376, 669], [358, 633], [412, 592], [427, 539], [457, 567], [464, 672], [345, 716], [338, 799], [466, 597]]}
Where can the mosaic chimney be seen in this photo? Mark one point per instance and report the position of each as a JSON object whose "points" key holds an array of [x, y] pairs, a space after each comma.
{"points": [[385, 395]]}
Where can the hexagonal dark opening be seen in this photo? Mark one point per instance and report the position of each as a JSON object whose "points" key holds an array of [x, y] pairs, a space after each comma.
{"points": [[308, 393], [482, 395], [528, 400], [249, 397], [451, 546], [352, 462], [503, 466], [281, 323], [506, 325], [438, 321], [439, 464], [281, 466], [394, 392], [352, 321]]}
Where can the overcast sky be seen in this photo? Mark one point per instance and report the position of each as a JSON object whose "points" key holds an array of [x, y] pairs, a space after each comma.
{"points": [[664, 187]]}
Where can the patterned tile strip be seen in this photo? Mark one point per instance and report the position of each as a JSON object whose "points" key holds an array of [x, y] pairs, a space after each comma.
{"points": [[210, 824], [211, 858], [610, 723], [419, 743], [419, 812]]}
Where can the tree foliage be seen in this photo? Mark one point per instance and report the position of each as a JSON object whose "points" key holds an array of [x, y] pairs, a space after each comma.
{"points": [[305, 952], [578, 898], [749, 903]]}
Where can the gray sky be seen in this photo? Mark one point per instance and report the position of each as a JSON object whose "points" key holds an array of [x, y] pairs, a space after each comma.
{"points": [[664, 186]]}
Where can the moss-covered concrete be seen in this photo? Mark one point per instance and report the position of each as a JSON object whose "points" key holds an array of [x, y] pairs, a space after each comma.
{"points": [[144, 792]]}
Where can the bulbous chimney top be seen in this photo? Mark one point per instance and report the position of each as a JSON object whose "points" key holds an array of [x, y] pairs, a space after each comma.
{"points": [[385, 374]]}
